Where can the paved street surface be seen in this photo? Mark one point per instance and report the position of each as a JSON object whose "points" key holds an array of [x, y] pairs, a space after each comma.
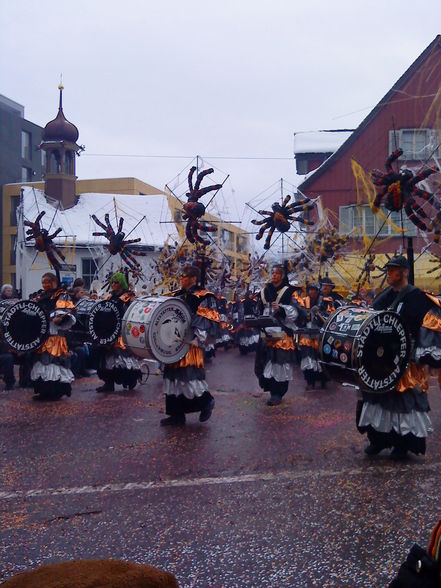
{"points": [[257, 496]]}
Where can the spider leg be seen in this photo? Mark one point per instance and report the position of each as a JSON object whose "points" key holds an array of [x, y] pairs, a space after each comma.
{"points": [[189, 230], [267, 244], [58, 252], [128, 256], [120, 224], [52, 259], [39, 217], [416, 207], [422, 175], [99, 223], [190, 179], [260, 222], [261, 232], [202, 191], [109, 227], [101, 235], [201, 176], [392, 157], [286, 200], [54, 234], [414, 218], [427, 196], [130, 241]]}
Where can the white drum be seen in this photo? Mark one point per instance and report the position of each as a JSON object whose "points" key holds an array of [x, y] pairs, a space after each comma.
{"points": [[157, 327]]}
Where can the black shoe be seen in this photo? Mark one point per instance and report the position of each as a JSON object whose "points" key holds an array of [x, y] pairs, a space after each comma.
{"points": [[274, 401], [206, 412], [398, 453], [173, 421], [106, 388], [373, 449]]}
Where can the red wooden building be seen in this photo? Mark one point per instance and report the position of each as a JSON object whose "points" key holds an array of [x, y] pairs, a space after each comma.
{"points": [[409, 116]]}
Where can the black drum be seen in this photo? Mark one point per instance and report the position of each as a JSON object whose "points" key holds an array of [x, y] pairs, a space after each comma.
{"points": [[365, 347], [25, 325], [98, 322], [5, 304]]}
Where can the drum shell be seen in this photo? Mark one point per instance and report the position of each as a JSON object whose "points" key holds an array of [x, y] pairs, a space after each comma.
{"points": [[25, 325], [157, 327], [364, 347], [97, 322]]}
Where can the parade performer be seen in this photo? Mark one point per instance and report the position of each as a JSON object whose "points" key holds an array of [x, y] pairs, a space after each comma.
{"points": [[117, 365], [275, 356], [224, 337], [185, 388], [247, 337], [51, 375], [399, 419], [317, 310]]}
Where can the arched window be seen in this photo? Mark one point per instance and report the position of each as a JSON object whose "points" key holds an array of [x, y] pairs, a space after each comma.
{"points": [[55, 162], [68, 163]]}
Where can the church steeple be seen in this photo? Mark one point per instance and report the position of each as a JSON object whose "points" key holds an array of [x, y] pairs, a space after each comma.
{"points": [[60, 144]]}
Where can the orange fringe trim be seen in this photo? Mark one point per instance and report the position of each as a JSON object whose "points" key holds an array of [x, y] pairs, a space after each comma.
{"points": [[194, 357], [287, 344], [64, 304], [208, 313], [415, 375], [432, 321], [119, 343], [54, 345], [305, 341]]}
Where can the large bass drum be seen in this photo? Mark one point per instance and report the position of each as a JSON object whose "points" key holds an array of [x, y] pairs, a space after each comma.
{"points": [[365, 347], [25, 325], [157, 327], [98, 322]]}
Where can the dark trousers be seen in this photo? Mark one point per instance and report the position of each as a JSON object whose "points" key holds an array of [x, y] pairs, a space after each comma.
{"points": [[7, 368], [180, 405]]}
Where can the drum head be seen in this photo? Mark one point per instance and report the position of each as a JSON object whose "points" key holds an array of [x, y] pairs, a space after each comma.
{"points": [[169, 331], [104, 322], [25, 325]]}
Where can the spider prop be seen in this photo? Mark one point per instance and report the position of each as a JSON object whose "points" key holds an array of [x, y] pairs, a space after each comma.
{"points": [[43, 241], [382, 270], [437, 263], [366, 270], [326, 244], [117, 244], [194, 210], [281, 217], [400, 191]]}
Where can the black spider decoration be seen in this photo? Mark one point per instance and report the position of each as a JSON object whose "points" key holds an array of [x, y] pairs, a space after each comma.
{"points": [[117, 244], [281, 217], [194, 210], [400, 192], [43, 241]]}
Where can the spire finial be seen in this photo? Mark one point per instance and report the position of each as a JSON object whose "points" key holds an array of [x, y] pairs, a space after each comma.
{"points": [[61, 88]]}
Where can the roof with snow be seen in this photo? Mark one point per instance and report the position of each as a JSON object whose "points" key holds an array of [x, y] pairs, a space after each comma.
{"points": [[147, 217], [319, 141]]}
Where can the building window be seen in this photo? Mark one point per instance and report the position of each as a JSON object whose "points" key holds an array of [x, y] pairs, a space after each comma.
{"points": [[26, 174], [13, 257], [68, 163], [417, 144], [228, 239], [241, 244], [360, 220], [26, 145], [89, 268], [15, 203], [43, 160], [54, 162]]}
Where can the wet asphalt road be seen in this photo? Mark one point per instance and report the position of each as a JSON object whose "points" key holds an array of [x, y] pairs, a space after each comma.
{"points": [[257, 496]]}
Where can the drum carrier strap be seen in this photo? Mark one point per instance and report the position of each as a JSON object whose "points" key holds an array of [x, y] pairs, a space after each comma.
{"points": [[279, 295]]}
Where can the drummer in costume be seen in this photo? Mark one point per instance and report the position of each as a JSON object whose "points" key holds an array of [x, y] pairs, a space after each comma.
{"points": [[317, 309], [185, 387], [51, 375], [247, 337], [274, 364], [400, 419], [117, 364]]}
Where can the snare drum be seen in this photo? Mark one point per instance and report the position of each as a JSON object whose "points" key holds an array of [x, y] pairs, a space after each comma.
{"points": [[157, 327], [365, 347], [98, 322]]}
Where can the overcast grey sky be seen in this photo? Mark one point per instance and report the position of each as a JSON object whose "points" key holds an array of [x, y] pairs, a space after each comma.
{"points": [[220, 78]]}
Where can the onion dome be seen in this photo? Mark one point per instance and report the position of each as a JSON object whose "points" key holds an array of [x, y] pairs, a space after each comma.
{"points": [[60, 129]]}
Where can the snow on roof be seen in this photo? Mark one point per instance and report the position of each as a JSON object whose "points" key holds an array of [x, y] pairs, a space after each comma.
{"points": [[319, 141], [142, 215]]}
